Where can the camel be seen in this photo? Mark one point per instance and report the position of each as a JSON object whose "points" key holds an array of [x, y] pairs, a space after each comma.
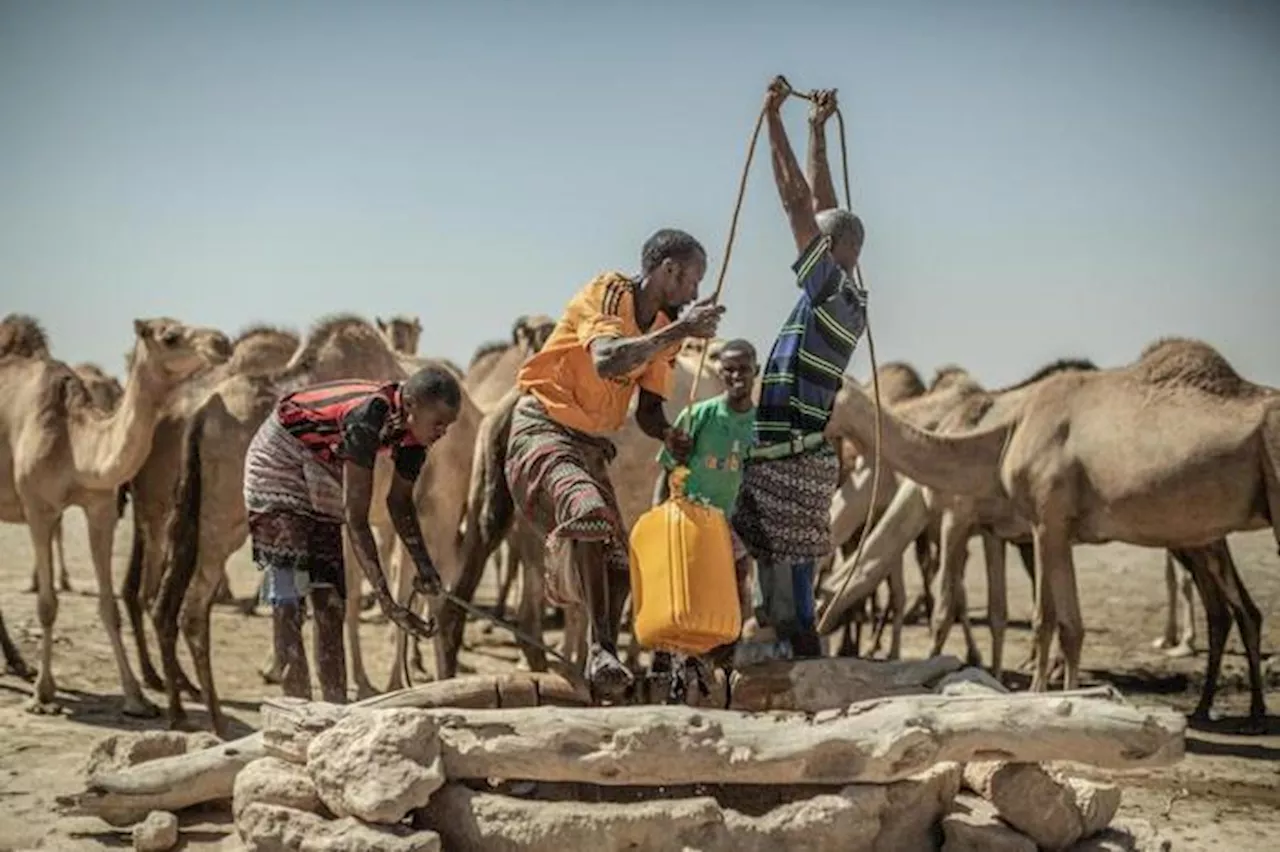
{"points": [[22, 336], [402, 333], [60, 450], [257, 350], [899, 382], [491, 515], [105, 393], [1174, 450], [210, 523]]}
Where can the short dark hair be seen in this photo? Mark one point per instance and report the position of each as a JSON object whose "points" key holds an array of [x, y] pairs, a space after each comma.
{"points": [[738, 344], [669, 243], [432, 383]]}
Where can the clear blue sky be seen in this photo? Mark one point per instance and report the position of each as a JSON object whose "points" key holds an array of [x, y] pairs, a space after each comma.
{"points": [[1038, 179]]}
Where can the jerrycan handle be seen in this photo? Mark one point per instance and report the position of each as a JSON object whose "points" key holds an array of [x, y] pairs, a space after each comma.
{"points": [[675, 482]]}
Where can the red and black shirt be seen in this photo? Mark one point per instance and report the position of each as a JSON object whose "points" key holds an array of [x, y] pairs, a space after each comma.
{"points": [[353, 420]]}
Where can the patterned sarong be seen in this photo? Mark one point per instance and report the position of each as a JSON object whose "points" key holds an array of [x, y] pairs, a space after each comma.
{"points": [[559, 480], [295, 510], [784, 508]]}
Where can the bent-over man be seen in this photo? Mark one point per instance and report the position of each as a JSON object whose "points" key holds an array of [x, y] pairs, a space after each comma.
{"points": [[617, 334], [309, 471], [784, 507]]}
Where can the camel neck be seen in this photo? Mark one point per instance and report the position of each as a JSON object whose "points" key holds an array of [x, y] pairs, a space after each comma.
{"points": [[109, 451]]}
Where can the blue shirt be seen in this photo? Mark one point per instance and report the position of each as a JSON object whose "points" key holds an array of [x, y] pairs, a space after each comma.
{"points": [[806, 366]]}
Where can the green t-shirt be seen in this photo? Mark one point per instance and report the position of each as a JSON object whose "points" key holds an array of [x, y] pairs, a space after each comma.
{"points": [[721, 437]]}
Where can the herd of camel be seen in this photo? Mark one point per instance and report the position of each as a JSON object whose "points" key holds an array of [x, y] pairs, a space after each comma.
{"points": [[1173, 451]]}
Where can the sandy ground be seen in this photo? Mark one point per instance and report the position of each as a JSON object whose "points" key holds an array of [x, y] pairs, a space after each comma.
{"points": [[1224, 796]]}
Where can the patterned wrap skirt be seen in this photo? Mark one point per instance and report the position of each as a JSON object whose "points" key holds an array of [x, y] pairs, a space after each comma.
{"points": [[783, 512], [559, 480], [296, 513]]}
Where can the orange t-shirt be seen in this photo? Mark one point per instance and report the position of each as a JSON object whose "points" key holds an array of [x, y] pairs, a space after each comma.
{"points": [[562, 375]]}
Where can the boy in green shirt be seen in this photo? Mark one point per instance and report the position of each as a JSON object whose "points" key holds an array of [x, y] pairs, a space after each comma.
{"points": [[714, 437]]}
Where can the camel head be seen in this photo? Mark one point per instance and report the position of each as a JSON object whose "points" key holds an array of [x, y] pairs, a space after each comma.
{"points": [[171, 351], [401, 332], [531, 332]]}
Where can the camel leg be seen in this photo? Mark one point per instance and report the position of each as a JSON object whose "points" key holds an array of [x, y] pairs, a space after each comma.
{"points": [[1053, 554], [401, 640], [64, 581], [1170, 637], [40, 523], [1045, 617], [13, 662], [141, 588], [101, 516], [532, 604], [1217, 616], [1178, 590], [512, 561], [131, 594], [955, 554], [1249, 620], [898, 603], [997, 598], [1186, 599], [197, 606]]}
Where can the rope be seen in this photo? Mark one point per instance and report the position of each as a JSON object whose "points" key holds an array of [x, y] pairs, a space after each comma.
{"points": [[728, 248]]}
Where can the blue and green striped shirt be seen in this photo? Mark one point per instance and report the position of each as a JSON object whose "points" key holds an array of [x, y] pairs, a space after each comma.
{"points": [[805, 368]]}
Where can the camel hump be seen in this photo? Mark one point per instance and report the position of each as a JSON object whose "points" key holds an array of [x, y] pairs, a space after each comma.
{"points": [[263, 331], [328, 329], [899, 380], [1188, 363], [23, 336], [486, 349], [949, 374]]}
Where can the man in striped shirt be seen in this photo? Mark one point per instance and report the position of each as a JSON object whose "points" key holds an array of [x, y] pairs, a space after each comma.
{"points": [[792, 473]]}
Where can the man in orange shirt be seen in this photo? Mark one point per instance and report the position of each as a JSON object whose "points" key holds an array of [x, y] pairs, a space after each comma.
{"points": [[617, 333]]}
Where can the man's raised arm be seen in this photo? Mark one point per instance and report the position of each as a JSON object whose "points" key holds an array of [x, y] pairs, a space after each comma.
{"points": [[824, 191], [793, 189]]}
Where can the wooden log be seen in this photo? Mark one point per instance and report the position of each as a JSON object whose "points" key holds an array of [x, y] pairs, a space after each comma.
{"points": [[126, 796], [879, 741], [289, 724], [811, 686]]}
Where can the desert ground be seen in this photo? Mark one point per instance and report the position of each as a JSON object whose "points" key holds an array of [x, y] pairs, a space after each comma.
{"points": [[1224, 796]]}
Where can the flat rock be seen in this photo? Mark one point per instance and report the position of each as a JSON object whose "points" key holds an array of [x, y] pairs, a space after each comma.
{"points": [[272, 781], [969, 681], [157, 833], [858, 818], [1054, 810], [275, 828], [377, 765], [974, 827]]}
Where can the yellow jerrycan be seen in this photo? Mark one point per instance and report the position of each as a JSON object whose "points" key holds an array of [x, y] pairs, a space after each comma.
{"points": [[684, 593]]}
